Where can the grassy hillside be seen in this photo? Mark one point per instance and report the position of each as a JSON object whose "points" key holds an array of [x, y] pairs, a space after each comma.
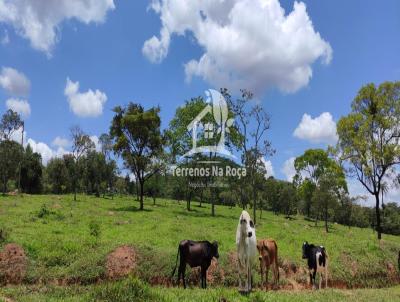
{"points": [[55, 232]]}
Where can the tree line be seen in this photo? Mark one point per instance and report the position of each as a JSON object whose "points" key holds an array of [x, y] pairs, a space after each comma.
{"points": [[368, 150]]}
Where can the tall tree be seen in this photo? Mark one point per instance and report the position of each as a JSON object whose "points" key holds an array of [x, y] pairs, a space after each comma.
{"points": [[369, 139], [81, 144], [10, 156], [57, 175], [31, 172], [10, 123], [252, 122], [321, 176], [138, 140]]}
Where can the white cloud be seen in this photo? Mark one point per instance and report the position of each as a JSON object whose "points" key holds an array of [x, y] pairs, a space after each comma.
{"points": [[61, 142], [288, 169], [20, 106], [13, 81], [44, 150], [86, 104], [321, 129], [249, 44], [40, 21], [268, 166], [96, 142], [17, 135]]}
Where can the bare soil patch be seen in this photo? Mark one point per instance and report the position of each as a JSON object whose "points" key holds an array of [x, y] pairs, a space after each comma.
{"points": [[120, 262], [13, 264]]}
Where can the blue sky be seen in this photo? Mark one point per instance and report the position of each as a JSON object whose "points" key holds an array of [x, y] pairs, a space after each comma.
{"points": [[102, 49]]}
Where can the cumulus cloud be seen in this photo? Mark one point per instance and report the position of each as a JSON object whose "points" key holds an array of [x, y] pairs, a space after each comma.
{"points": [[268, 167], [40, 21], [20, 106], [14, 82], [288, 169], [249, 44], [61, 142], [84, 104], [43, 149], [96, 142], [321, 129]]}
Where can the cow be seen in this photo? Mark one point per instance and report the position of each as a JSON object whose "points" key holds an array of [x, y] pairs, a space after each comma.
{"points": [[317, 260], [195, 253], [268, 256], [246, 244]]}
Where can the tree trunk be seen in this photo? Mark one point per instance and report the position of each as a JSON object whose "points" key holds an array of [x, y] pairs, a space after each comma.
{"points": [[141, 195], [137, 190], [212, 202], [4, 185], [326, 220], [254, 206], [74, 192], [188, 200], [378, 217]]}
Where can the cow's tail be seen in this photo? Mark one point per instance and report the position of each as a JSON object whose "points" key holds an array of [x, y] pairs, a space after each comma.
{"points": [[176, 264]]}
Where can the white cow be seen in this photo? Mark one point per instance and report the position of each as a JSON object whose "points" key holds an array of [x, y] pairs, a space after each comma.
{"points": [[246, 244]]}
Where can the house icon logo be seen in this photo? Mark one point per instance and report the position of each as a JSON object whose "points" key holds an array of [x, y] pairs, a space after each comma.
{"points": [[218, 108]]}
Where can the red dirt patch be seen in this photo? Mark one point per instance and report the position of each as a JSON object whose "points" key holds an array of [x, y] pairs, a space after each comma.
{"points": [[120, 262], [13, 264]]}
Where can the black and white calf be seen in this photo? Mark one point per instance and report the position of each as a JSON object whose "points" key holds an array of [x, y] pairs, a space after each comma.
{"points": [[317, 260]]}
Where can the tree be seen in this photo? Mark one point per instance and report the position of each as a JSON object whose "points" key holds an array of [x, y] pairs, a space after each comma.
{"points": [[138, 140], [252, 122], [81, 144], [319, 176], [369, 139], [10, 123], [180, 142], [10, 156], [57, 175], [31, 172]]}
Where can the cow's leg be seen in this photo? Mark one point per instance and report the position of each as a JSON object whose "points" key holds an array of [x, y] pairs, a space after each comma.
{"points": [[313, 276], [248, 277], [311, 281], [182, 269], [266, 276], [262, 272], [326, 276], [205, 278], [320, 280]]}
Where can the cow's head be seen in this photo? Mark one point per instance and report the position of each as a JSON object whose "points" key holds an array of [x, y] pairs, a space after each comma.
{"points": [[246, 225], [214, 249], [260, 248], [305, 250]]}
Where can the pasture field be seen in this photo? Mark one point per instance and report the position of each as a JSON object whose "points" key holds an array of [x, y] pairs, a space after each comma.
{"points": [[67, 243]]}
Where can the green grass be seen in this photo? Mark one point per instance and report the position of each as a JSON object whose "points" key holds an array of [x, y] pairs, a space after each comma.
{"points": [[134, 290], [69, 241]]}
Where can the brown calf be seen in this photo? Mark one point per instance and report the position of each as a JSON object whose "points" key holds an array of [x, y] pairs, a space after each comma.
{"points": [[268, 251]]}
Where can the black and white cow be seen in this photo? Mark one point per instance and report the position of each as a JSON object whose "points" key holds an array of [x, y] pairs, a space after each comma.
{"points": [[317, 260]]}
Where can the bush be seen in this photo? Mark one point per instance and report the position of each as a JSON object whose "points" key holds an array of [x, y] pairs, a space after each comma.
{"points": [[94, 229]]}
